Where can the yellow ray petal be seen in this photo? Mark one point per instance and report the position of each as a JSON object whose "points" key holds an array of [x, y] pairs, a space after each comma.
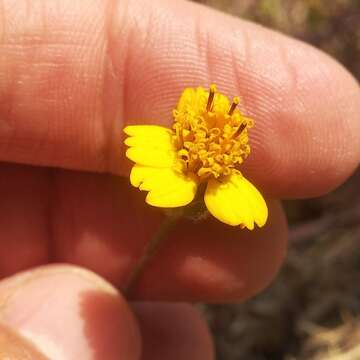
{"points": [[155, 157], [146, 130], [147, 141], [236, 202], [150, 145], [166, 187]]}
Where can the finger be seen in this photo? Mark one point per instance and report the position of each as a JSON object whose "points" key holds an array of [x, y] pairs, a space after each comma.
{"points": [[85, 222], [67, 312], [206, 261], [173, 331], [69, 83]]}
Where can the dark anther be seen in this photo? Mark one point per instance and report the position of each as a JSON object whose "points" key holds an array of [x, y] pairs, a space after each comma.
{"points": [[211, 97]]}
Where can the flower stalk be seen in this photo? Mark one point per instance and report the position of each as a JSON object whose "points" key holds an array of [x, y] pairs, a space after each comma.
{"points": [[150, 251]]}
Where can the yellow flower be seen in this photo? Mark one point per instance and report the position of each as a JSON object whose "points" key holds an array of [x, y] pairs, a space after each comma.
{"points": [[207, 143]]}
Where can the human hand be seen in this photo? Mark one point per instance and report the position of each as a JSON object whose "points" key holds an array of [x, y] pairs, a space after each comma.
{"points": [[72, 74]]}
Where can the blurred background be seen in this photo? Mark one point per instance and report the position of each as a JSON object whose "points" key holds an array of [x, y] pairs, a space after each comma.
{"points": [[312, 310]]}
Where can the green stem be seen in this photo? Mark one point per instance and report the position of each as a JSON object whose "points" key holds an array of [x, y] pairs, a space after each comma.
{"points": [[150, 250]]}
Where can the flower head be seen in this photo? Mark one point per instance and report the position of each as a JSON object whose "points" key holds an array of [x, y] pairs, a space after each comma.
{"points": [[206, 145]]}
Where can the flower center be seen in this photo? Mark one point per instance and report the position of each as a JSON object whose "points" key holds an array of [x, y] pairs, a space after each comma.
{"points": [[210, 135]]}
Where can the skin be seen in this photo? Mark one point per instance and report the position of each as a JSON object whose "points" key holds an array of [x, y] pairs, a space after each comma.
{"points": [[72, 75]]}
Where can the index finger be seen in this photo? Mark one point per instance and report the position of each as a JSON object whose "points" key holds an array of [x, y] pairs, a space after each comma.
{"points": [[72, 75]]}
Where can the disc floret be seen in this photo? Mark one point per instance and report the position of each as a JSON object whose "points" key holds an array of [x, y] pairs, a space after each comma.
{"points": [[210, 134]]}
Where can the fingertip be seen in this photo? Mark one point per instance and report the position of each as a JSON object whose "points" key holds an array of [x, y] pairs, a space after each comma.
{"points": [[306, 142]]}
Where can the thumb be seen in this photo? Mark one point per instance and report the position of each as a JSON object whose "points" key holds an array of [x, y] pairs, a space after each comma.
{"points": [[66, 313]]}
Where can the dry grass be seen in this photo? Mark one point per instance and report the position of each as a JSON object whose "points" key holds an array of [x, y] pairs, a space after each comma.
{"points": [[312, 311]]}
